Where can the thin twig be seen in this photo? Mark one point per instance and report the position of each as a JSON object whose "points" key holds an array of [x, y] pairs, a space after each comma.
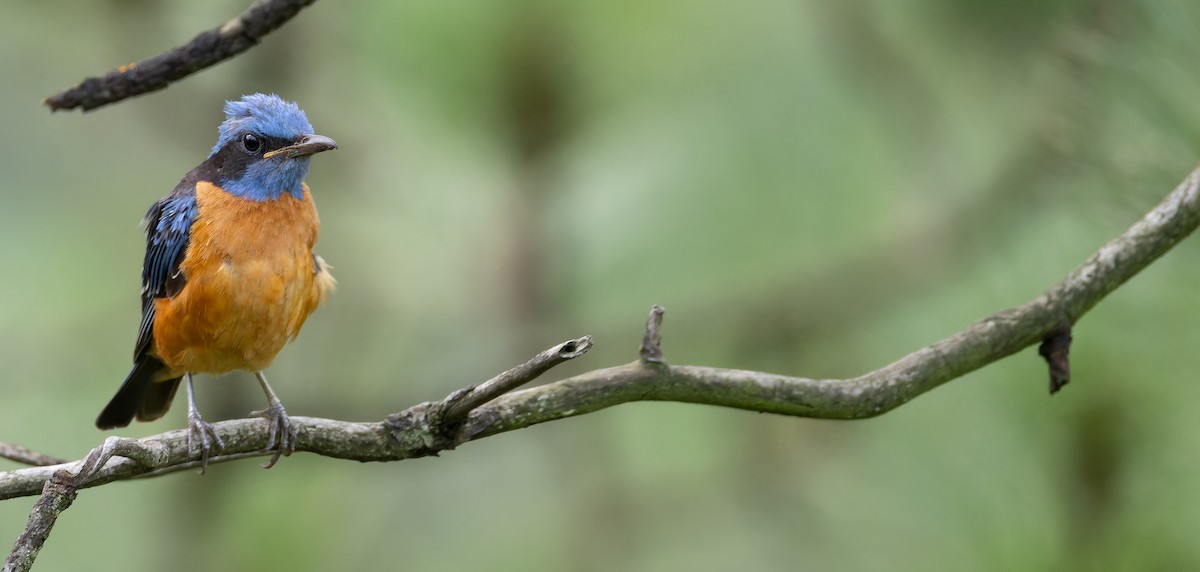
{"points": [[206, 49], [1056, 350], [462, 402], [651, 350], [198, 464], [25, 456]]}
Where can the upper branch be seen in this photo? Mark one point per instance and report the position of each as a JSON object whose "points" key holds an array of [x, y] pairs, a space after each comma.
{"points": [[422, 429], [211, 47]]}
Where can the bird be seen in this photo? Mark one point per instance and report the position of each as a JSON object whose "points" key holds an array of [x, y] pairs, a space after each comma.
{"points": [[229, 275]]}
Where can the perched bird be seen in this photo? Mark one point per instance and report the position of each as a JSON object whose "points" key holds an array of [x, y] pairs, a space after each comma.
{"points": [[229, 275]]}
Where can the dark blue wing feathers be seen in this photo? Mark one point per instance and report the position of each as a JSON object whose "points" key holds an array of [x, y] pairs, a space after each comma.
{"points": [[148, 389], [168, 229]]}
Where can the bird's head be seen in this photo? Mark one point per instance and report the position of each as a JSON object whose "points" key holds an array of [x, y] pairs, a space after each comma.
{"points": [[264, 148]]}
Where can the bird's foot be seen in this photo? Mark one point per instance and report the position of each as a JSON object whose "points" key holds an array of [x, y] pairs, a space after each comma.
{"points": [[279, 427], [202, 433]]}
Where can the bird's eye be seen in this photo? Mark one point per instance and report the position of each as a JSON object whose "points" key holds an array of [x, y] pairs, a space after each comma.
{"points": [[251, 143]]}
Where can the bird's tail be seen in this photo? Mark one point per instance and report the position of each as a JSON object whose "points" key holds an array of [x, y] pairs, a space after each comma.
{"points": [[146, 394]]}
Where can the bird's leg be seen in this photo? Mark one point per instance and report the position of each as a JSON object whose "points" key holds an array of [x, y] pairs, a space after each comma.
{"points": [[200, 430], [278, 423]]}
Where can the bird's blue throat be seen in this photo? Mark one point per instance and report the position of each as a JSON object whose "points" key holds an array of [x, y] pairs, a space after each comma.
{"points": [[267, 179]]}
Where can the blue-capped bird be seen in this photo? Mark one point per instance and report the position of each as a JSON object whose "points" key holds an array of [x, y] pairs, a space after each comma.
{"points": [[229, 275]]}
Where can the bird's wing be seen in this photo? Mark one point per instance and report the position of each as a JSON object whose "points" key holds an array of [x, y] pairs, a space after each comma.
{"points": [[168, 230]]}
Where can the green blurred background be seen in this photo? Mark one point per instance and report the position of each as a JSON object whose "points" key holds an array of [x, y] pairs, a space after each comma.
{"points": [[810, 187]]}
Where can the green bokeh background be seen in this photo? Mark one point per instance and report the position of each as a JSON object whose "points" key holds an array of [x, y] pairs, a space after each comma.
{"points": [[810, 187]]}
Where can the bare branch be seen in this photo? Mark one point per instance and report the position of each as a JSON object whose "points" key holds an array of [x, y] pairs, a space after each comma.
{"points": [[60, 491], [423, 429], [463, 401], [57, 495], [207, 49], [25, 456]]}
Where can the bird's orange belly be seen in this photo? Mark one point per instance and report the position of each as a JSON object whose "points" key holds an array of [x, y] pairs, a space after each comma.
{"points": [[251, 281], [236, 316]]}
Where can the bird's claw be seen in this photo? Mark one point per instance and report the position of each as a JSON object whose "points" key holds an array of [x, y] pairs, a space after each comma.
{"points": [[203, 433], [278, 427]]}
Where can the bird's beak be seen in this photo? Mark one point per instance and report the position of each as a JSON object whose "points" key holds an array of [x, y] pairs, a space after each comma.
{"points": [[307, 145]]}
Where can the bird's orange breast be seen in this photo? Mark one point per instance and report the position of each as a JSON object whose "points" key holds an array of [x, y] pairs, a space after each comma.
{"points": [[251, 281]]}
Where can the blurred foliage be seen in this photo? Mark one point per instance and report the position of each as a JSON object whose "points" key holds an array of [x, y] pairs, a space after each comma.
{"points": [[809, 187]]}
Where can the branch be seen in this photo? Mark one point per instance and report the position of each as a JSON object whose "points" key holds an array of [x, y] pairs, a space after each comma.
{"points": [[207, 49], [58, 494], [433, 428], [20, 454], [426, 429]]}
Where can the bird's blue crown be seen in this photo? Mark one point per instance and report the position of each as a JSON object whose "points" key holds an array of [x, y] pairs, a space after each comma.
{"points": [[262, 114], [270, 116]]}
